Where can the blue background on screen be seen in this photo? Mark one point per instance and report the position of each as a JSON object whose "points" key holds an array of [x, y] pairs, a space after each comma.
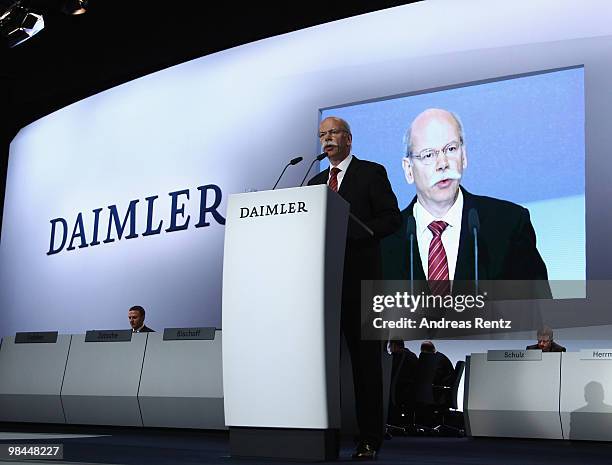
{"points": [[525, 143]]}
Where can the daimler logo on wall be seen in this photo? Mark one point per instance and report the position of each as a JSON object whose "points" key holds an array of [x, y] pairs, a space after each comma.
{"points": [[274, 209], [122, 224]]}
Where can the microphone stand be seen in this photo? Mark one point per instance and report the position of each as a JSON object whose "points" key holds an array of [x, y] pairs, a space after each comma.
{"points": [[294, 161], [317, 158]]}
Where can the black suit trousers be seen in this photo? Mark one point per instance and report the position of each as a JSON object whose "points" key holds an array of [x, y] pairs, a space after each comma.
{"points": [[366, 362]]}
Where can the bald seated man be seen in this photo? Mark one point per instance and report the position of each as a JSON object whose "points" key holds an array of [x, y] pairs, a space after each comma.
{"points": [[435, 160]]}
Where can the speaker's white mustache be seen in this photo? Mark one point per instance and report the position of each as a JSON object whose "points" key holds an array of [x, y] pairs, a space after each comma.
{"points": [[329, 143], [443, 175]]}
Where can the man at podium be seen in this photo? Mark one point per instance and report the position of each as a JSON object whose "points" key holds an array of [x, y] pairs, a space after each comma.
{"points": [[365, 186]]}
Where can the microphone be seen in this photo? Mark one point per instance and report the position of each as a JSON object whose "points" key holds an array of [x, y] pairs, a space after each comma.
{"points": [[293, 161], [474, 226], [317, 158], [411, 232]]}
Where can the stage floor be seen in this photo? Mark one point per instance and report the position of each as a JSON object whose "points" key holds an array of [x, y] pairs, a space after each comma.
{"points": [[125, 446]]}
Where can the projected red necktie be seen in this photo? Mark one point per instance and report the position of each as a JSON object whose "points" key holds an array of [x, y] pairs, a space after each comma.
{"points": [[437, 262], [333, 179]]}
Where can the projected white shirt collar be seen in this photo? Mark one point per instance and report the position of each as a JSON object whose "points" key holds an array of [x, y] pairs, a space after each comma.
{"points": [[450, 236]]}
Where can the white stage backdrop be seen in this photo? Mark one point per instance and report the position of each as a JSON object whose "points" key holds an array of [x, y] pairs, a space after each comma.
{"points": [[119, 199]]}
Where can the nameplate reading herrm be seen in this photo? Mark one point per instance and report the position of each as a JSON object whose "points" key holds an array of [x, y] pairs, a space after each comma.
{"points": [[596, 354]]}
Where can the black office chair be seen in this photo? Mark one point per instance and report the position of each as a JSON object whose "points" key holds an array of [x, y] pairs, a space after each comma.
{"points": [[436, 404], [424, 394], [400, 415], [447, 407]]}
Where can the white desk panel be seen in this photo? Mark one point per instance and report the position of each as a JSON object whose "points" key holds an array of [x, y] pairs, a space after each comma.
{"points": [[182, 383], [586, 397], [514, 398], [31, 379], [101, 382]]}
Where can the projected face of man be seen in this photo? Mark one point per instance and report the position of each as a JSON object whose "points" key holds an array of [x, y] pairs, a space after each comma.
{"points": [[437, 160], [136, 319], [336, 139]]}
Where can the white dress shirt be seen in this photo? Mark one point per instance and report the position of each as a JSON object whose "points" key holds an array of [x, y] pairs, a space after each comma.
{"points": [[342, 166], [450, 236]]}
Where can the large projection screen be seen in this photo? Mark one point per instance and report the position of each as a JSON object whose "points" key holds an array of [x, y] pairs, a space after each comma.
{"points": [[524, 141]]}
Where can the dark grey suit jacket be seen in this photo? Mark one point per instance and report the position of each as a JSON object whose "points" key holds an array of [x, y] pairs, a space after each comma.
{"points": [[366, 188]]}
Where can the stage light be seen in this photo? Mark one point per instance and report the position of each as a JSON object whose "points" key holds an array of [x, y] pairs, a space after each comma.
{"points": [[18, 24], [74, 7]]}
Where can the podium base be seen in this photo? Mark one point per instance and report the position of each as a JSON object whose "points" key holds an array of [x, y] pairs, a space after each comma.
{"points": [[311, 445]]}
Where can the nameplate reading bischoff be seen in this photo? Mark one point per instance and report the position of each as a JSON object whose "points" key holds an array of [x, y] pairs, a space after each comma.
{"points": [[596, 354], [44, 337], [189, 334], [118, 335], [513, 355]]}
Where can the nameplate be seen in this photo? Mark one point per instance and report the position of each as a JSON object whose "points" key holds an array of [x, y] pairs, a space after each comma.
{"points": [[513, 355], [596, 354], [44, 337], [109, 335], [189, 334]]}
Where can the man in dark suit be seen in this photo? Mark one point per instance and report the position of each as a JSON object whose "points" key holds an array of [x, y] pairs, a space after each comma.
{"points": [[444, 372], [365, 186], [136, 316], [434, 371], [444, 248], [545, 341]]}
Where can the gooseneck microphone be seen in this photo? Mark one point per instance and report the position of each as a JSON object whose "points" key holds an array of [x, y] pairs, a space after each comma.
{"points": [[411, 232], [474, 226], [293, 161], [317, 158]]}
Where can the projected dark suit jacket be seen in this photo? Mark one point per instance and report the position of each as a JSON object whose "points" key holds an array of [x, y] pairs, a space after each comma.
{"points": [[506, 246]]}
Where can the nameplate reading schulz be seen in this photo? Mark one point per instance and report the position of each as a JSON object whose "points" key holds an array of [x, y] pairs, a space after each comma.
{"points": [[44, 337], [596, 354], [109, 335], [514, 355], [189, 334]]}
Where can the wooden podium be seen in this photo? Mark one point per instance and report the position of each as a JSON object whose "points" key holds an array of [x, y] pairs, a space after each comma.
{"points": [[282, 285]]}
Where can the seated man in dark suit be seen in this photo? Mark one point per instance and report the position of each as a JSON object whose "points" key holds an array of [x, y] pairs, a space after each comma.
{"points": [[444, 373], [434, 370], [403, 374], [545, 341], [436, 157], [136, 316]]}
